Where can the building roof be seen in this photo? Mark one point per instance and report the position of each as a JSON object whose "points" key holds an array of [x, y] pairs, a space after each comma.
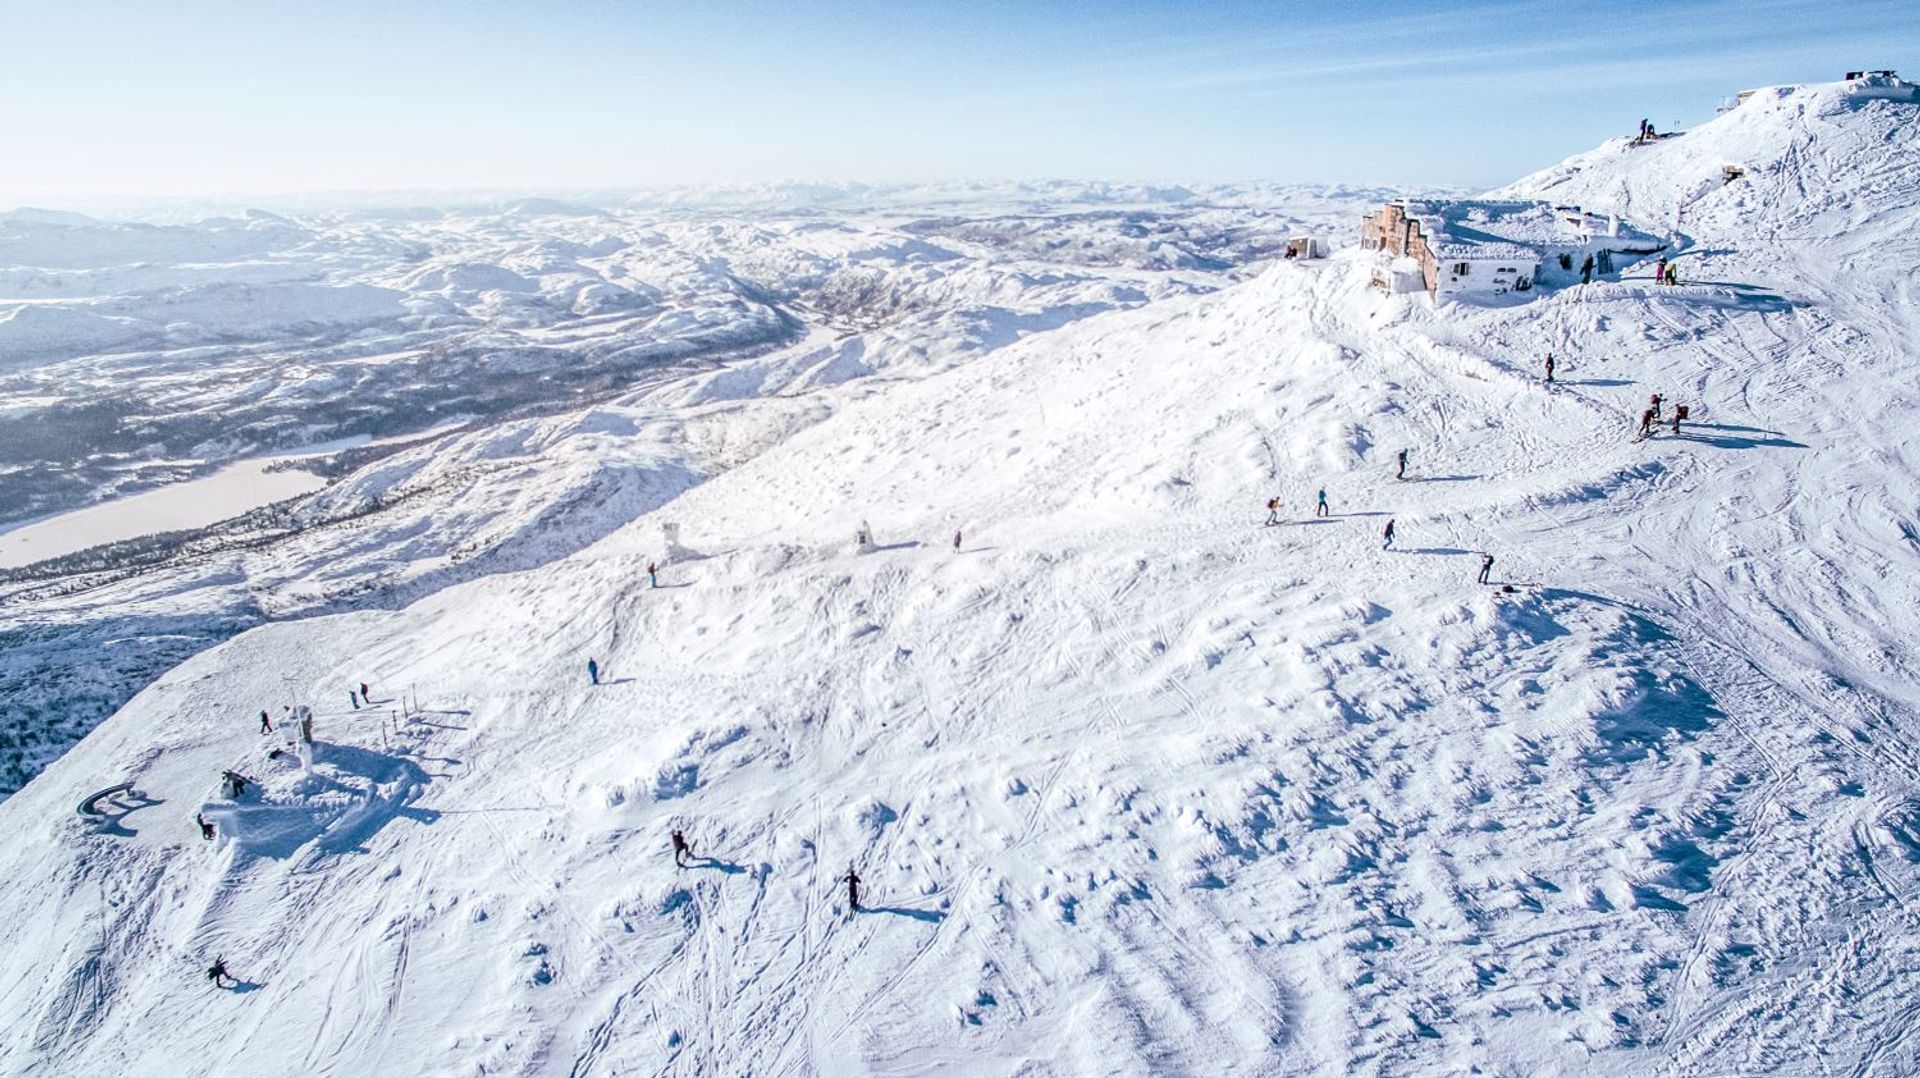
{"points": [[1483, 229]]}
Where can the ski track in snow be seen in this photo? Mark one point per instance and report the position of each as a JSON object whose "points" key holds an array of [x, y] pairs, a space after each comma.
{"points": [[1137, 785]]}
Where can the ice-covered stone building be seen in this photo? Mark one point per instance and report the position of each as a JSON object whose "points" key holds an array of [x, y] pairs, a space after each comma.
{"points": [[1452, 248]]}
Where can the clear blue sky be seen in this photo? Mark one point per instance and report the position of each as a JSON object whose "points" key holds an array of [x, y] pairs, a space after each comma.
{"points": [[265, 96]]}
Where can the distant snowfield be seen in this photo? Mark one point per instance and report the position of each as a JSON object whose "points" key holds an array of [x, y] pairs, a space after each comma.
{"points": [[1136, 783], [193, 504]]}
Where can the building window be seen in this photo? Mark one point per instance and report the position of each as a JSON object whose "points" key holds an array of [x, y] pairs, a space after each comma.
{"points": [[1460, 269]]}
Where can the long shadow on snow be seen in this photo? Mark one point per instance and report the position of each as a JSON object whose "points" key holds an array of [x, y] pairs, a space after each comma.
{"points": [[932, 917]]}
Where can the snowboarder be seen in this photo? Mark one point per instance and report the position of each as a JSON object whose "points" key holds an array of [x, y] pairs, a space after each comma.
{"points": [[593, 671], [682, 849], [1273, 511], [956, 542], [653, 575], [1655, 401], [1549, 368], [1660, 271], [1402, 473], [218, 973], [1388, 534], [265, 726], [206, 828], [1586, 270], [1486, 566], [1321, 509], [353, 699], [852, 880], [1646, 423]]}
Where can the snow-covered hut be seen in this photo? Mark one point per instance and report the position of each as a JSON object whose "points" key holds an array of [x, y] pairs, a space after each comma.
{"points": [[1480, 247]]}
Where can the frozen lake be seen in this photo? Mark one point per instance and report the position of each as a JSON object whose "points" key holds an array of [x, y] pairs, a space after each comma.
{"points": [[193, 504]]}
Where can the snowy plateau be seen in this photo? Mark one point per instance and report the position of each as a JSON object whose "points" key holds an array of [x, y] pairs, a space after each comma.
{"points": [[1135, 782]]}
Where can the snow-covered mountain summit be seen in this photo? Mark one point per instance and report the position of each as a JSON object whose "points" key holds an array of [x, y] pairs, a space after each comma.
{"points": [[1788, 162], [1135, 782]]}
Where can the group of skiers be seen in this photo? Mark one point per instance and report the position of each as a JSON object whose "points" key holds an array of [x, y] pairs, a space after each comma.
{"points": [[1665, 272], [683, 855], [1652, 415]]}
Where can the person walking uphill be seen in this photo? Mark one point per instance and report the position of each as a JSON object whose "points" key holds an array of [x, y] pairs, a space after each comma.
{"points": [[852, 880], [1321, 509], [593, 671], [1486, 566], [265, 726]]}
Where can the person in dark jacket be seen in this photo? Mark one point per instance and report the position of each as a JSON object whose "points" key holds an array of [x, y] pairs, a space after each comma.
{"points": [[852, 881], [265, 726], [1486, 566], [1321, 509], [218, 973], [593, 671], [206, 827], [682, 849], [1549, 366], [653, 575], [1402, 473], [1388, 535]]}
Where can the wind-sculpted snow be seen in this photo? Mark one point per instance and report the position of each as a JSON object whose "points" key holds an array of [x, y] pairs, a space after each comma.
{"points": [[1135, 783]]}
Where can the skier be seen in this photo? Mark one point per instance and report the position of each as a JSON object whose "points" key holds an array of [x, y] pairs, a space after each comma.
{"points": [[1660, 271], [1321, 510], [1646, 423], [682, 849], [1549, 368], [1388, 534], [853, 888], [1586, 270], [352, 699], [653, 575], [206, 828], [218, 973], [1655, 401], [265, 726], [1402, 474], [956, 542], [1273, 511], [593, 671], [1486, 566]]}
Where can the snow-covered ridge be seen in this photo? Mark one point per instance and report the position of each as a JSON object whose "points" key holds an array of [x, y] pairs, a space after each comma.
{"points": [[1135, 784]]}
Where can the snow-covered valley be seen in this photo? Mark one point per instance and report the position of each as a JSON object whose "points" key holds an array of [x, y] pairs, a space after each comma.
{"points": [[1134, 782]]}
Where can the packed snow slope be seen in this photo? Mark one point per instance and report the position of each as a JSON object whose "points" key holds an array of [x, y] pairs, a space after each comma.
{"points": [[1135, 783], [678, 319]]}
